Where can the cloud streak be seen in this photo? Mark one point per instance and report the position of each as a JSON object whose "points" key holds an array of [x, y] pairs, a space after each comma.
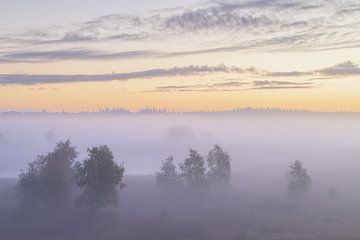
{"points": [[98, 55], [345, 69], [27, 79], [73, 54], [281, 85], [207, 87]]}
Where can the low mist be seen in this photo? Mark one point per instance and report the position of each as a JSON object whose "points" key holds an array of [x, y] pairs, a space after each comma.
{"points": [[254, 204], [257, 142]]}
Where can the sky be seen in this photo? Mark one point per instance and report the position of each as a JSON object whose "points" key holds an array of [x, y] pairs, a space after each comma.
{"points": [[183, 56]]}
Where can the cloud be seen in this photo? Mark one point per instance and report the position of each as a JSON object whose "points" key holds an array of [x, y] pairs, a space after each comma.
{"points": [[206, 51], [118, 27], [311, 7], [277, 83], [88, 55], [126, 27], [98, 55], [219, 17], [281, 85], [27, 79], [206, 87], [345, 69], [72, 54], [288, 74], [351, 10], [9, 61], [73, 37], [229, 84], [342, 69], [265, 25], [234, 86]]}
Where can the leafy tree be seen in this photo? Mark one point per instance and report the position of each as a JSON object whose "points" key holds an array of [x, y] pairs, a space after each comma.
{"points": [[49, 179], [299, 179], [193, 169], [30, 186], [168, 177], [219, 166], [99, 178]]}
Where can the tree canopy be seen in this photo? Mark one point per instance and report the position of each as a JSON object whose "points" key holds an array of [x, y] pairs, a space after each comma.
{"points": [[193, 169], [194, 172], [99, 178], [49, 179], [168, 176], [219, 165], [300, 181]]}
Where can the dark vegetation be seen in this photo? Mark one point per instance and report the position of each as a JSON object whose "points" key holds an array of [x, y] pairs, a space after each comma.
{"points": [[58, 197]]}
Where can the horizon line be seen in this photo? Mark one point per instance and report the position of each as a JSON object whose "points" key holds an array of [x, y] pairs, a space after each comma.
{"points": [[155, 110]]}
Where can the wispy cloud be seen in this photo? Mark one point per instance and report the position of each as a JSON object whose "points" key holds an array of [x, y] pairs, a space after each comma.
{"points": [[342, 69], [207, 87], [234, 86], [266, 25], [221, 17], [281, 85], [345, 69], [98, 55], [73, 54], [84, 54], [27, 79]]}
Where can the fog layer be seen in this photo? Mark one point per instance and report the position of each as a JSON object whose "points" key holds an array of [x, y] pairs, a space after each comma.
{"points": [[256, 142]]}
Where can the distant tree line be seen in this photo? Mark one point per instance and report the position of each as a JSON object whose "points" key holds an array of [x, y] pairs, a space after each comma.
{"points": [[155, 110], [56, 179], [197, 171]]}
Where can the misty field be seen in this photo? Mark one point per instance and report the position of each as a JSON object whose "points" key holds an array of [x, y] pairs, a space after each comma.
{"points": [[254, 204], [261, 210]]}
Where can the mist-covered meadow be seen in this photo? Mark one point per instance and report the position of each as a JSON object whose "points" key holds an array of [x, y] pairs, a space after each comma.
{"points": [[254, 204]]}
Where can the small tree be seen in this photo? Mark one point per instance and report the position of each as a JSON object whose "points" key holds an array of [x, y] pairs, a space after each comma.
{"points": [[99, 178], [168, 177], [299, 179], [219, 166], [49, 179], [193, 170]]}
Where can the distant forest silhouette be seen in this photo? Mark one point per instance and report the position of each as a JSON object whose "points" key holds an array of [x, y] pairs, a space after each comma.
{"points": [[154, 110]]}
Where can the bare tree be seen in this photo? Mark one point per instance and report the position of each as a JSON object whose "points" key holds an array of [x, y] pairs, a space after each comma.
{"points": [[299, 181]]}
